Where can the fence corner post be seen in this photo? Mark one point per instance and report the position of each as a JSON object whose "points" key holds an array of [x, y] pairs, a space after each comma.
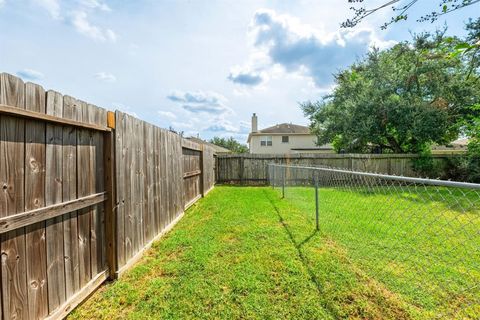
{"points": [[110, 210], [202, 173]]}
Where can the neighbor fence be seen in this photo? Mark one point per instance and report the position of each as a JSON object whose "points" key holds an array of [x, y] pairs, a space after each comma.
{"points": [[83, 193], [250, 169], [415, 238]]}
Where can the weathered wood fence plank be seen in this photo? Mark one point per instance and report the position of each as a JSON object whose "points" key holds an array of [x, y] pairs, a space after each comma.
{"points": [[12, 201], [34, 199], [53, 195]]}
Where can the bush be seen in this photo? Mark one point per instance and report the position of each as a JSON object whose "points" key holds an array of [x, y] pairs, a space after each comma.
{"points": [[462, 168], [426, 166]]}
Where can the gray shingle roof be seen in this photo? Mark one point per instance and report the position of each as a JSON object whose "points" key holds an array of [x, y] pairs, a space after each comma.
{"points": [[286, 128]]}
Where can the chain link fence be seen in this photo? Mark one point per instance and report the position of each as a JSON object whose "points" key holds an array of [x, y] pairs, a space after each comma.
{"points": [[418, 238]]}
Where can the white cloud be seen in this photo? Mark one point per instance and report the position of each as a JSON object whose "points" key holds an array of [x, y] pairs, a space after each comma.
{"points": [[83, 26], [2, 3], [167, 114], [201, 102], [30, 74], [182, 125], [302, 49], [105, 77], [52, 7], [126, 109], [220, 125], [95, 4]]}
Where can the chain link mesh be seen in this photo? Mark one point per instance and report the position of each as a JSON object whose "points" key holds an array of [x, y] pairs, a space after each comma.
{"points": [[419, 238]]}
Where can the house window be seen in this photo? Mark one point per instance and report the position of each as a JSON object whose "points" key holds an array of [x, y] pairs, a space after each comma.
{"points": [[266, 141], [285, 139]]}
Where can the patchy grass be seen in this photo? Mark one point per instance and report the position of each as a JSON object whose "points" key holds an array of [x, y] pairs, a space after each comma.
{"points": [[242, 252], [416, 245]]}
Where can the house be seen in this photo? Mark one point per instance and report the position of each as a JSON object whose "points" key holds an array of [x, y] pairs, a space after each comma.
{"points": [[283, 139], [218, 150], [459, 146]]}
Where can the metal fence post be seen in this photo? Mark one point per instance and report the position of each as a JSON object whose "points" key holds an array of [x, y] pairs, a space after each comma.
{"points": [[316, 200], [283, 182]]}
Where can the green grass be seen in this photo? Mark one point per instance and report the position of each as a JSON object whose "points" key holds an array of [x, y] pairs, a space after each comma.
{"points": [[246, 253], [420, 243]]}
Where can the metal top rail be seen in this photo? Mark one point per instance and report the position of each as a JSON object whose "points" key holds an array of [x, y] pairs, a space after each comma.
{"points": [[434, 182]]}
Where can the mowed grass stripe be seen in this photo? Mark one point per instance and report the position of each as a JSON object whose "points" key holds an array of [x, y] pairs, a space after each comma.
{"points": [[228, 258]]}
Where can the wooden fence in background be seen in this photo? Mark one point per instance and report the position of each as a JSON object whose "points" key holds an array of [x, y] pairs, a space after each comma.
{"points": [[80, 201], [252, 168], [158, 176]]}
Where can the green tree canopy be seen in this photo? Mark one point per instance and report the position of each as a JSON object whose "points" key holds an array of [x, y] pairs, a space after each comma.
{"points": [[400, 100], [230, 144]]}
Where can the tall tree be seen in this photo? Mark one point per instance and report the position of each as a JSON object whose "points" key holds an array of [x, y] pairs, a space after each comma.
{"points": [[230, 144], [401, 10], [400, 100]]}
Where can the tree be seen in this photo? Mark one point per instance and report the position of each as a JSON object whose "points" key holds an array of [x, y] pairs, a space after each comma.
{"points": [[401, 10], [400, 100], [172, 129], [230, 144]]}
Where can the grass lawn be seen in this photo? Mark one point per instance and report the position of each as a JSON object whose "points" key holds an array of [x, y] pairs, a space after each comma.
{"points": [[242, 252]]}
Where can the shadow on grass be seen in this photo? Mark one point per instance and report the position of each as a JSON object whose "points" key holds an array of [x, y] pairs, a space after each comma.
{"points": [[304, 260]]}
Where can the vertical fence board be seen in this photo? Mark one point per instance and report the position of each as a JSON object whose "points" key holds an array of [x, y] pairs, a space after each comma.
{"points": [[148, 215], [54, 232], [84, 180], [156, 180], [138, 187], [96, 116], [70, 221], [164, 179], [129, 186], [12, 138], [120, 175], [178, 175], [35, 198], [100, 119]]}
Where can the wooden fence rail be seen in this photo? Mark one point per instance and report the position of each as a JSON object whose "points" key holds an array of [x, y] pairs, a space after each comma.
{"points": [[81, 200], [252, 168]]}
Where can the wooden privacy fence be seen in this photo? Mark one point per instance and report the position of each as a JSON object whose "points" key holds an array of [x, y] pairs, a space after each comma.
{"points": [[252, 168], [80, 200], [158, 176]]}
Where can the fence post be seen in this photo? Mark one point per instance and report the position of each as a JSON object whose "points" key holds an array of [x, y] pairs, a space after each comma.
{"points": [[242, 169], [202, 173], [283, 182], [110, 210], [316, 201], [273, 176]]}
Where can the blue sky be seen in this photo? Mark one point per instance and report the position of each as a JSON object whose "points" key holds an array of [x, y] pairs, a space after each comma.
{"points": [[202, 67]]}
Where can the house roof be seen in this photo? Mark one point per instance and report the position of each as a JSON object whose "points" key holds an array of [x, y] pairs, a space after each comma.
{"points": [[462, 142], [282, 128], [217, 149], [286, 128]]}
